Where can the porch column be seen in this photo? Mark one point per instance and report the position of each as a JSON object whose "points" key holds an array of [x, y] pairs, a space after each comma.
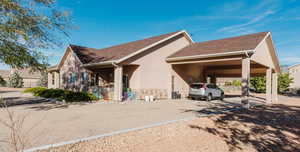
{"points": [[118, 88], [269, 85], [274, 87], [245, 82]]}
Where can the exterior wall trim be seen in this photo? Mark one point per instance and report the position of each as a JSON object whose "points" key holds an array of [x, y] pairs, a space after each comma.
{"points": [[209, 55], [205, 61]]}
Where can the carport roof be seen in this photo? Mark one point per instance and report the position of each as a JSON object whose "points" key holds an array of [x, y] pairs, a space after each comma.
{"points": [[233, 44]]}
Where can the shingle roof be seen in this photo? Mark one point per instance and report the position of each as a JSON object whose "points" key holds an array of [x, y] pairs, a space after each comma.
{"points": [[239, 43], [91, 55]]}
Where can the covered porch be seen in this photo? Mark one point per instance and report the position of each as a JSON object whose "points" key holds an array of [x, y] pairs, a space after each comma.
{"points": [[110, 81], [208, 70]]}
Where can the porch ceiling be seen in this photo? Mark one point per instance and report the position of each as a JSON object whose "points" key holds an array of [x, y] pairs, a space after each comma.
{"points": [[224, 68]]}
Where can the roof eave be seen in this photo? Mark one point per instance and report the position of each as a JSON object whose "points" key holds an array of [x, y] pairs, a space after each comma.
{"points": [[112, 62], [244, 52]]}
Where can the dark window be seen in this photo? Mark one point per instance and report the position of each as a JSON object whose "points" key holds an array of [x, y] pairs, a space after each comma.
{"points": [[53, 78], [84, 77], [196, 86], [209, 86]]}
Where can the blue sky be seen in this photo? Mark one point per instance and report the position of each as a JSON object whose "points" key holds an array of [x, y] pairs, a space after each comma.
{"points": [[105, 23]]}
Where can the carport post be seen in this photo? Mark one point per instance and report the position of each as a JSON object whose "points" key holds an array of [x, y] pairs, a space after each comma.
{"points": [[274, 87], [269, 85], [118, 88], [245, 82]]}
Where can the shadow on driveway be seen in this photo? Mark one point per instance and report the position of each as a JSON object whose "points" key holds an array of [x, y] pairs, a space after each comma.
{"points": [[267, 128]]}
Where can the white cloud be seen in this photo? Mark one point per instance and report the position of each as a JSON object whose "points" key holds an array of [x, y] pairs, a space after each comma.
{"points": [[251, 22], [290, 60]]}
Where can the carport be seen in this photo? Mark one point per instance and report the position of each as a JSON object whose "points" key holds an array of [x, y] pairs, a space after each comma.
{"points": [[243, 56]]}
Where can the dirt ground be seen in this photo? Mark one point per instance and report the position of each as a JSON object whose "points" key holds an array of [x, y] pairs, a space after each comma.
{"points": [[266, 128]]}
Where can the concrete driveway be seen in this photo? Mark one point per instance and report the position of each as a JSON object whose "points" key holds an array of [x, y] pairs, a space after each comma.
{"points": [[55, 123]]}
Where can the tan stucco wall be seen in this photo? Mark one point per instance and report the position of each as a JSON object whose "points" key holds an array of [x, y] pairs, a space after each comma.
{"points": [[56, 79], [153, 72], [295, 74], [71, 64], [263, 56]]}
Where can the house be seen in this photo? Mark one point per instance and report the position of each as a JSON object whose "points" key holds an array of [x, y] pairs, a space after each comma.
{"points": [[294, 72], [30, 78], [164, 64]]}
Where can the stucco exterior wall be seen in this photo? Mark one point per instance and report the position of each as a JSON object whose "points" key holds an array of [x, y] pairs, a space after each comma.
{"points": [[263, 56], [295, 74], [153, 74], [56, 77], [71, 65]]}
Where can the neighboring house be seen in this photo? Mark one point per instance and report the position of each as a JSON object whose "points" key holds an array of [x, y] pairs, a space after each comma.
{"points": [[5, 74], [294, 72], [164, 64], [30, 79]]}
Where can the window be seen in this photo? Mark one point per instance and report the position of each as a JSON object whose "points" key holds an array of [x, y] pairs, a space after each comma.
{"points": [[197, 86], [53, 78], [72, 77], [84, 77]]}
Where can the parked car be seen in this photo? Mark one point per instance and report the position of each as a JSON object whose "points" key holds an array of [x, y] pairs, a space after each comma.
{"points": [[205, 91]]}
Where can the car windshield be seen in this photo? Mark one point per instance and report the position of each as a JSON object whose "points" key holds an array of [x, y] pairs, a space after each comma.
{"points": [[196, 86]]}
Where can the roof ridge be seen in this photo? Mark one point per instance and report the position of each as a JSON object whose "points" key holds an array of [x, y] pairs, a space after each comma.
{"points": [[98, 49], [226, 38]]}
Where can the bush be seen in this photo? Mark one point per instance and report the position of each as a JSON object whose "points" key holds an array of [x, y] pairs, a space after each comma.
{"points": [[259, 83], [236, 83], [59, 94], [284, 82], [15, 80]]}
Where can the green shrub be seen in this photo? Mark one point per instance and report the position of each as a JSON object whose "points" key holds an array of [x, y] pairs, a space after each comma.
{"points": [[59, 94], [35, 91], [259, 83], [284, 82], [236, 83]]}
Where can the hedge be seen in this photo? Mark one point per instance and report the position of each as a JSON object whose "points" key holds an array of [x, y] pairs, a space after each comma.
{"points": [[60, 94]]}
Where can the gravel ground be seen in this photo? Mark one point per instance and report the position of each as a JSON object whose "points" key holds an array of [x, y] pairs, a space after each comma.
{"points": [[264, 128]]}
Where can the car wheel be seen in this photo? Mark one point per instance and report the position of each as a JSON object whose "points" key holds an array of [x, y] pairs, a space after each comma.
{"points": [[209, 97], [222, 97]]}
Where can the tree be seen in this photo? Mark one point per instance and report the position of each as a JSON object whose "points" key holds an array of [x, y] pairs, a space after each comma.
{"points": [[259, 83], [43, 82], [27, 26], [284, 82], [15, 80]]}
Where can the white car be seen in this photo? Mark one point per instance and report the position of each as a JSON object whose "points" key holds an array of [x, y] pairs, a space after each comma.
{"points": [[205, 91]]}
